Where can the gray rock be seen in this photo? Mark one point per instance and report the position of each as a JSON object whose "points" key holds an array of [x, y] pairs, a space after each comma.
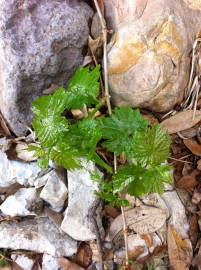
{"points": [[42, 179], [20, 203], [41, 43], [50, 263], [77, 222], [14, 171], [55, 191], [39, 235]]}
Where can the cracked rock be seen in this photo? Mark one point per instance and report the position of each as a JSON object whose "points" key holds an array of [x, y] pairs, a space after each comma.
{"points": [[23, 261], [50, 263], [55, 191], [39, 235], [82, 199], [20, 203], [12, 171]]}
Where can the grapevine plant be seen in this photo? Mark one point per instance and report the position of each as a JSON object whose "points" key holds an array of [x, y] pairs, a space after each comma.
{"points": [[125, 133]]}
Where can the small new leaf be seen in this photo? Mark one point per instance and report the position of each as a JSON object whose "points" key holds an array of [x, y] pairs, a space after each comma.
{"points": [[84, 136], [83, 88], [119, 129], [151, 146], [138, 181], [66, 156]]}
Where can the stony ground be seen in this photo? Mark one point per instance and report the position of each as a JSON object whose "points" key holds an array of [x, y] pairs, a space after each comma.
{"points": [[52, 219]]}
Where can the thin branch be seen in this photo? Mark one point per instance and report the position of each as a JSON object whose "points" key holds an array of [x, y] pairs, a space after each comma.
{"points": [[107, 95], [125, 229], [97, 233], [105, 65]]}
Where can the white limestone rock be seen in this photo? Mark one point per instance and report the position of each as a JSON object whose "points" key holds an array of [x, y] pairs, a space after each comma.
{"points": [[39, 235], [50, 262], [55, 191], [23, 261], [77, 222], [12, 171], [20, 203]]}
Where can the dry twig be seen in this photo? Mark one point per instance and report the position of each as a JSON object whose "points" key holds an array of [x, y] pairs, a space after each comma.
{"points": [[107, 95]]}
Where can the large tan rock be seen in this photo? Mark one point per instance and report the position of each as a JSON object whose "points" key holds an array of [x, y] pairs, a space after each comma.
{"points": [[149, 54]]}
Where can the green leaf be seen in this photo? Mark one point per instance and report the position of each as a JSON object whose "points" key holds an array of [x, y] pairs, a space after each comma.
{"points": [[83, 88], [106, 194], [48, 123], [151, 146], [41, 153], [36, 149], [119, 129], [84, 136], [43, 162], [138, 181], [126, 175], [66, 156]]}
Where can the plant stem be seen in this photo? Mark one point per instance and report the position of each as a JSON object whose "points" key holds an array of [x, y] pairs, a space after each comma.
{"points": [[125, 230], [107, 95], [105, 65], [85, 111]]}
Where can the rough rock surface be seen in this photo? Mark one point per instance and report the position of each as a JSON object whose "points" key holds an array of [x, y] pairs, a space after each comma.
{"points": [[20, 203], [39, 235], [81, 193], [149, 54], [12, 171], [23, 261], [55, 191], [41, 43], [50, 263], [177, 212]]}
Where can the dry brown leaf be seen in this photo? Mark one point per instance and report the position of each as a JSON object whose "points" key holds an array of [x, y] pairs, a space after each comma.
{"points": [[193, 229], [181, 121], [179, 250], [142, 220], [150, 117], [187, 169], [199, 164], [95, 44], [188, 181], [65, 264], [51, 89], [4, 126], [136, 252], [196, 198], [148, 239], [193, 146], [197, 260], [57, 218], [84, 255], [8, 191], [189, 133], [111, 211]]}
